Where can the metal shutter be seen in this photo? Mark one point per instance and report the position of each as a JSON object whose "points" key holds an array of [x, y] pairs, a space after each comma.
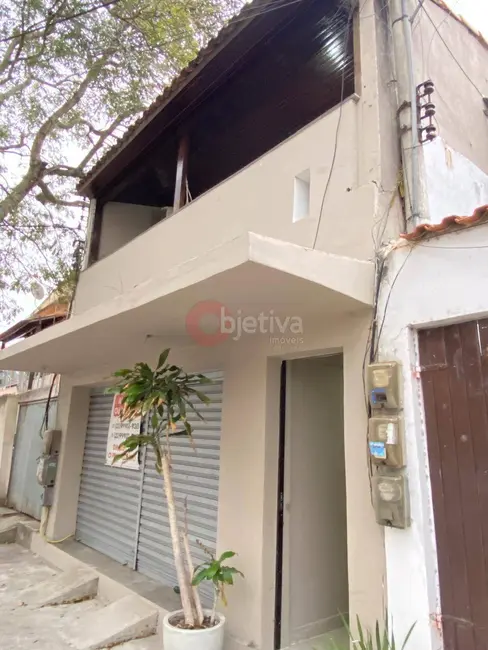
{"points": [[109, 497], [195, 476]]}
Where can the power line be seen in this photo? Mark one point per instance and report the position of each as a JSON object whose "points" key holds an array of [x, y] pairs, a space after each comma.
{"points": [[424, 9], [387, 302], [338, 127]]}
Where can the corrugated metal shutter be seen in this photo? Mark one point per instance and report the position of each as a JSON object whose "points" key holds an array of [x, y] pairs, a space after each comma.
{"points": [[195, 476], [108, 504]]}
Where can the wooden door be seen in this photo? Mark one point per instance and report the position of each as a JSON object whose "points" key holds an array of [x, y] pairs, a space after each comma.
{"points": [[454, 370]]}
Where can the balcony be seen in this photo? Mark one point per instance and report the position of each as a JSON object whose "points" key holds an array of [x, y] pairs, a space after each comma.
{"points": [[280, 195]]}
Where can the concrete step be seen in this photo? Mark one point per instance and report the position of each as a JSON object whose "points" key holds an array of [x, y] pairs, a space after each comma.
{"points": [[8, 527], [67, 587], [7, 512], [129, 618], [149, 643]]}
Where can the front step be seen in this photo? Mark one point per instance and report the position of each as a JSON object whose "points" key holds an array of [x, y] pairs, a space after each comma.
{"points": [[129, 618], [65, 588], [9, 525]]}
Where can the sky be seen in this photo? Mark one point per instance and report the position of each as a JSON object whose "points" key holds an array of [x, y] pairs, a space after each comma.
{"points": [[474, 11]]}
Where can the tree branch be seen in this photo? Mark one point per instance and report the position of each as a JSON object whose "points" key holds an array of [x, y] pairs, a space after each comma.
{"points": [[37, 166], [46, 196], [40, 26], [64, 170]]}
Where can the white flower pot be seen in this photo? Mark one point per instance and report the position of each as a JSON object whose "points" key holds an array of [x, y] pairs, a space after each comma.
{"points": [[210, 638]]}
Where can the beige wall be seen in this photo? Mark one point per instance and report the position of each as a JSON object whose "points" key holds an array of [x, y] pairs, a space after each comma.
{"points": [[461, 121], [8, 425], [121, 222], [315, 535], [258, 199], [72, 420], [249, 462]]}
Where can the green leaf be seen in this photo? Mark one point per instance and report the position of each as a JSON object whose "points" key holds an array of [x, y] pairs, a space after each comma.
{"points": [[226, 555], [407, 638], [162, 358]]}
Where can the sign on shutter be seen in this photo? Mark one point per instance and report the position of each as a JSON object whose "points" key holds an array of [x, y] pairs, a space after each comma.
{"points": [[118, 431]]}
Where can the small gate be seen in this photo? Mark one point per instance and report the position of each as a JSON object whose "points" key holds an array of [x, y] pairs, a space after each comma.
{"points": [[454, 363], [25, 493]]}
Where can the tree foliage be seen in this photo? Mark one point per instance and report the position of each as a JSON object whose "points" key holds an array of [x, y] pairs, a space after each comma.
{"points": [[164, 397], [73, 75]]}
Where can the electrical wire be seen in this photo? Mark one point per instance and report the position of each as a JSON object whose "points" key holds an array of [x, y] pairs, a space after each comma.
{"points": [[387, 302], [424, 9], [347, 30]]}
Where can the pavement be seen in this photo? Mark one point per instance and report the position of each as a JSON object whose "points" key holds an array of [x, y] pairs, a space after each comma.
{"points": [[30, 627]]}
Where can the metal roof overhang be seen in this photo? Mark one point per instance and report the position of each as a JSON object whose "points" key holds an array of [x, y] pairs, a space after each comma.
{"points": [[252, 273]]}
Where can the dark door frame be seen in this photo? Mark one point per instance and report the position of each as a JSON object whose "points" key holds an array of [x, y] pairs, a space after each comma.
{"points": [[280, 510]]}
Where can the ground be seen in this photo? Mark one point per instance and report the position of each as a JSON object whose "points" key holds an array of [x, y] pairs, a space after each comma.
{"points": [[47, 628]]}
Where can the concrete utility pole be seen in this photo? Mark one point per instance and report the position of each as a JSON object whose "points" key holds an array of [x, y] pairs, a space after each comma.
{"points": [[401, 12]]}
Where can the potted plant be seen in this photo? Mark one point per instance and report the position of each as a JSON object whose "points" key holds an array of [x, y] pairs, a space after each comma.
{"points": [[163, 397], [212, 637]]}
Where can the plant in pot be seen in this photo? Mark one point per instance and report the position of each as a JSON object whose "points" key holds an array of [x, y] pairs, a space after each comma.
{"points": [[164, 397]]}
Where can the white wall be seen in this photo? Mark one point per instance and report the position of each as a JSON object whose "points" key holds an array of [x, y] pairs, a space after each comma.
{"points": [[442, 281], [315, 535], [121, 222], [454, 184], [456, 163], [8, 424]]}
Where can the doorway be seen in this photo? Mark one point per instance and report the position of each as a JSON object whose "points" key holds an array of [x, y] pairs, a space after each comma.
{"points": [[24, 492], [312, 577]]}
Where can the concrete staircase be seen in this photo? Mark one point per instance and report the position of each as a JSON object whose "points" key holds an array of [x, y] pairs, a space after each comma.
{"points": [[69, 604]]}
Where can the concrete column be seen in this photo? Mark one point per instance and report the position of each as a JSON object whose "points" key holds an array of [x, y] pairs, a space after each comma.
{"points": [[247, 496], [73, 405], [8, 425]]}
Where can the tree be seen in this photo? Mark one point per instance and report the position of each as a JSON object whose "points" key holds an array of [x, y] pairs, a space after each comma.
{"points": [[73, 75], [163, 397]]}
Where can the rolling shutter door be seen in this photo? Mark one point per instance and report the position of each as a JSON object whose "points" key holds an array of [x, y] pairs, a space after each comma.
{"points": [[195, 476], [109, 497]]}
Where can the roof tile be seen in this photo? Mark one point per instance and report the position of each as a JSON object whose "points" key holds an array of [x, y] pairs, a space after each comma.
{"points": [[448, 224]]}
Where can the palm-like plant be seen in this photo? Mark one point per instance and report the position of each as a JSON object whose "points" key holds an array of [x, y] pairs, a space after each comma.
{"points": [[163, 397], [380, 640]]}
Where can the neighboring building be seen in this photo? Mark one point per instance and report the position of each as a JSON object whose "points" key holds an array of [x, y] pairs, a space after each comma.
{"points": [[54, 309], [28, 403], [263, 193]]}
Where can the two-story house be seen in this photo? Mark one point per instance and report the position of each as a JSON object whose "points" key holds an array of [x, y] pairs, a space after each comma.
{"points": [[243, 221]]}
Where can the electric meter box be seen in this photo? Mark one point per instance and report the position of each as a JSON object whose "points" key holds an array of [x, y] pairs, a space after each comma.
{"points": [[391, 500], [47, 469], [384, 386], [386, 441]]}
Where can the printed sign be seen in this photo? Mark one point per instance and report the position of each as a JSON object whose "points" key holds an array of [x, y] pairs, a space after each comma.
{"points": [[118, 431]]}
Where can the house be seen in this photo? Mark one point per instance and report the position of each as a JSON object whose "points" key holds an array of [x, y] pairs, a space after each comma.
{"points": [[252, 220], [28, 402]]}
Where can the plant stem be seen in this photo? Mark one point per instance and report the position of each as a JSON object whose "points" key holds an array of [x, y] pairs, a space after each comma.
{"points": [[185, 588], [214, 608], [189, 562]]}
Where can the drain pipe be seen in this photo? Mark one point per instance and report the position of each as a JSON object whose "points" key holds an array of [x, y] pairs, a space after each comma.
{"points": [[401, 26]]}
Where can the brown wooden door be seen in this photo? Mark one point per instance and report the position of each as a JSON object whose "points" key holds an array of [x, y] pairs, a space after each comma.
{"points": [[454, 364]]}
